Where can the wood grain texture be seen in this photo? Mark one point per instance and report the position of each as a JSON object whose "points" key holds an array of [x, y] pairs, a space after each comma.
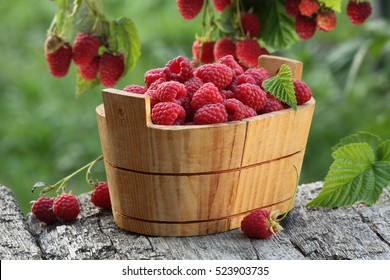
{"points": [[358, 233]]}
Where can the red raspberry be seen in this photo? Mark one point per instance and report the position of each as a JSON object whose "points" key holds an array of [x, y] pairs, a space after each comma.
{"points": [[135, 89], [157, 83], [86, 47], [260, 224], [153, 97], [218, 74], [273, 104], [207, 94], [168, 113], [58, 56], [302, 92], [248, 52], [220, 5], [66, 207], [251, 95], [89, 70], [189, 9], [185, 102], [111, 68], [241, 79], [226, 94], [211, 113], [249, 112], [259, 74], [43, 210], [250, 24], [223, 47], [204, 52], [305, 27], [178, 69], [236, 109], [152, 75], [358, 12], [326, 21], [192, 85], [308, 7], [101, 196], [169, 91], [292, 7], [229, 61]]}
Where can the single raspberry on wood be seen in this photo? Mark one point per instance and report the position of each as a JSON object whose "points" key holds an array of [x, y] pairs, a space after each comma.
{"points": [[305, 27], [111, 68], [292, 7], [169, 91], [358, 11], [326, 21], [206, 94], [250, 24], [42, 209], [260, 224], [211, 114], [218, 74], [178, 69], [248, 52], [101, 196], [251, 95], [203, 51], [302, 92], [135, 89], [189, 9], [220, 5], [308, 7], [223, 47], [58, 56], [66, 207], [168, 113], [86, 47], [89, 70]]}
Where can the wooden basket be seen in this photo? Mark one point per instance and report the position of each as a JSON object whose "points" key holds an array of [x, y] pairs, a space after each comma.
{"points": [[199, 179]]}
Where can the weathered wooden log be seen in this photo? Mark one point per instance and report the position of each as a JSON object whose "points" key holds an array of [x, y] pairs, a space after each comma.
{"points": [[357, 232]]}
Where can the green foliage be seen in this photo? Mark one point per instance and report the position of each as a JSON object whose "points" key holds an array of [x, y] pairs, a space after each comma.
{"points": [[333, 4], [282, 87], [359, 172]]}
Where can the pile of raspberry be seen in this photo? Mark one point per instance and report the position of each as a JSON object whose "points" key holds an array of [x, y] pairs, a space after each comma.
{"points": [[181, 94]]}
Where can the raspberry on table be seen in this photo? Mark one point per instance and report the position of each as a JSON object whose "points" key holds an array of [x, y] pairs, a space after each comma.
{"points": [[152, 75], [218, 74], [101, 196], [168, 113], [135, 89], [305, 27], [42, 209], [302, 91], [66, 207], [260, 224], [85, 48], [211, 114], [358, 11], [223, 47], [206, 94], [178, 69], [169, 91], [251, 95]]}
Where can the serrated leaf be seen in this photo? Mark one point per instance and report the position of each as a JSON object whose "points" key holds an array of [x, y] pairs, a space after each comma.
{"points": [[281, 86], [384, 151], [333, 4], [124, 39], [353, 176], [361, 137], [279, 31], [84, 85]]}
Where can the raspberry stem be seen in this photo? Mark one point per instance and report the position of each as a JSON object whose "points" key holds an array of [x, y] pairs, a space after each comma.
{"points": [[61, 184]]}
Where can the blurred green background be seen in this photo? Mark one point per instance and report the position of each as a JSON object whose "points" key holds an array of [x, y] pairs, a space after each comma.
{"points": [[46, 132]]}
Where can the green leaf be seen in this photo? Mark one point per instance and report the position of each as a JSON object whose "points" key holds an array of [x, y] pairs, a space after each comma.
{"points": [[124, 39], [226, 21], [84, 85], [281, 86], [333, 4], [361, 137], [384, 151], [279, 31], [353, 176]]}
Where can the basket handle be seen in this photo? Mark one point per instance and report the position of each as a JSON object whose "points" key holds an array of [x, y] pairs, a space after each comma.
{"points": [[272, 64]]}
